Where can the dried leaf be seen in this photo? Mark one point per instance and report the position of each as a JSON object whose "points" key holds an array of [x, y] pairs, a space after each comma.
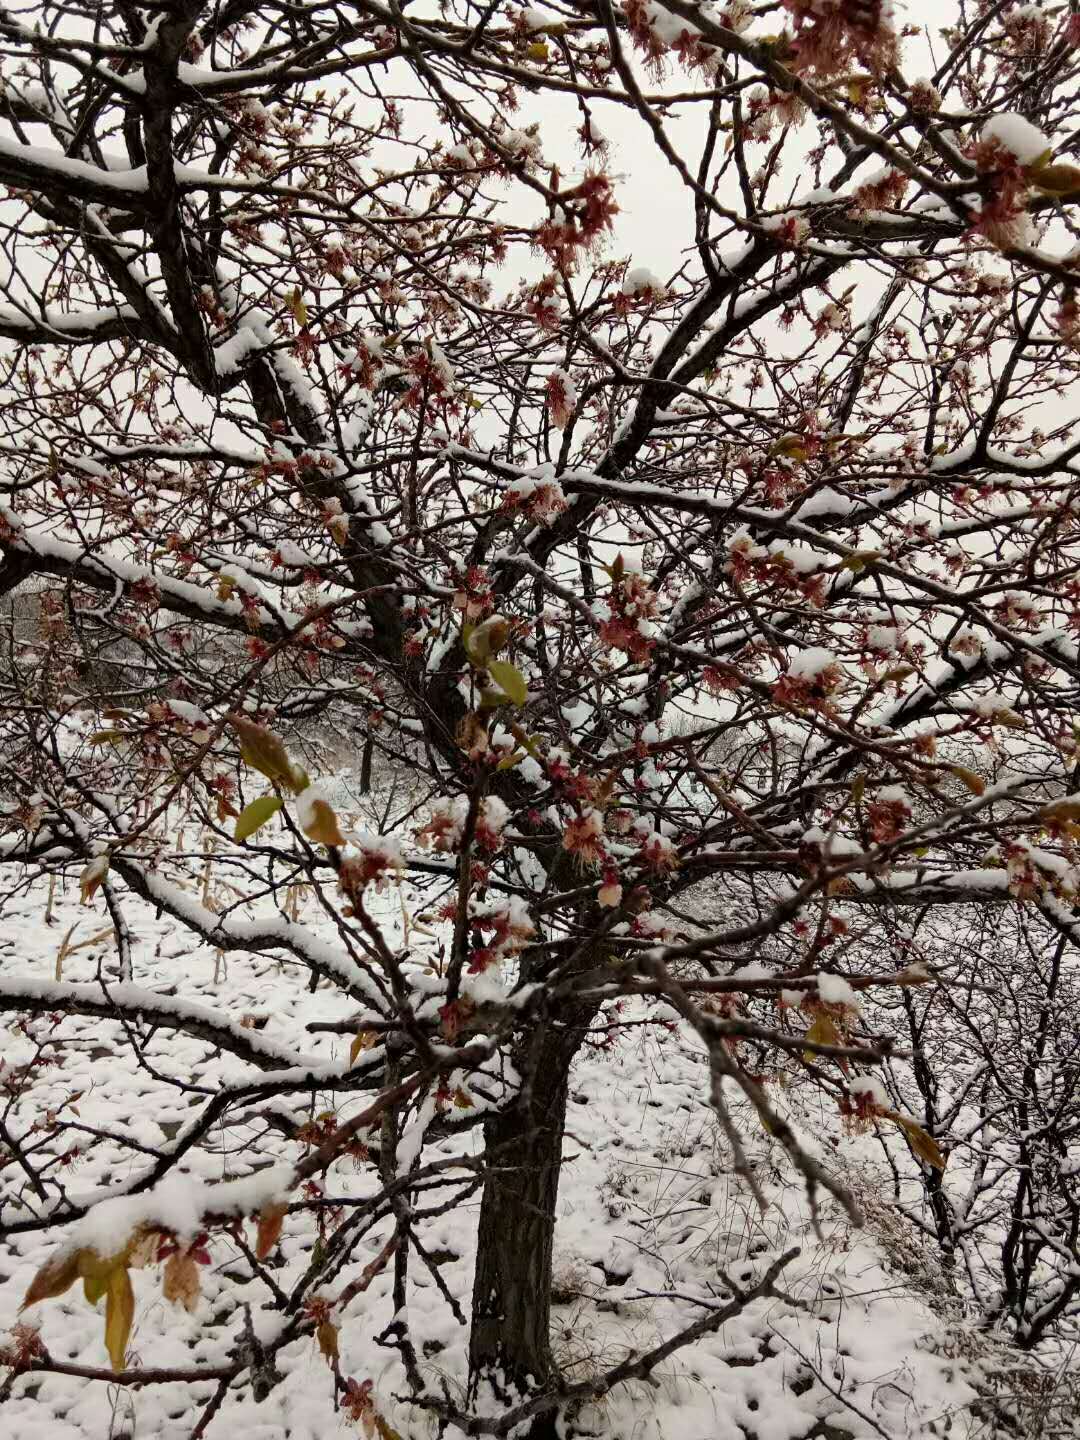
{"points": [[180, 1282], [462, 1099], [119, 1315], [271, 1219], [364, 1041], [54, 1277], [385, 1429], [255, 815], [510, 679]]}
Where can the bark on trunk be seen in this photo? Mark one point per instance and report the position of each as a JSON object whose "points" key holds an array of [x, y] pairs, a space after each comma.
{"points": [[511, 1308]]}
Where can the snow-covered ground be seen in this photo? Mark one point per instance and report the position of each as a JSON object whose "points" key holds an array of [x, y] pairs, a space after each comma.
{"points": [[649, 1216]]}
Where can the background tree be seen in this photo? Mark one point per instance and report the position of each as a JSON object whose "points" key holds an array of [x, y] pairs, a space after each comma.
{"points": [[331, 408]]}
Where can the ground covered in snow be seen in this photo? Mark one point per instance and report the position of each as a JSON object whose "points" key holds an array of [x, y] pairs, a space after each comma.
{"points": [[649, 1218]]}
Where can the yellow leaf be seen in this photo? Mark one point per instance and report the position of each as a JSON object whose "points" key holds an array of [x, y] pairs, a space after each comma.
{"points": [[180, 1282], [791, 447], [510, 679], [483, 641], [462, 1099], [858, 788], [1055, 179], [538, 50], [923, 1144], [54, 1277], [271, 1219], [509, 761], [327, 1336], [264, 751], [298, 308], [95, 1274], [92, 876], [860, 560], [975, 783], [322, 825], [822, 1032], [1061, 810], [119, 1314], [364, 1041], [94, 1286], [107, 737], [255, 815]]}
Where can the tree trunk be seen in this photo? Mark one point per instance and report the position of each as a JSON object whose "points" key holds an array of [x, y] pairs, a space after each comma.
{"points": [[509, 1347]]}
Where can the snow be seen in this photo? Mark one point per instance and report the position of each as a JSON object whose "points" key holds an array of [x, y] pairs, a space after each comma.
{"points": [[835, 990], [872, 1087], [1025, 140], [641, 279], [809, 663], [648, 1215]]}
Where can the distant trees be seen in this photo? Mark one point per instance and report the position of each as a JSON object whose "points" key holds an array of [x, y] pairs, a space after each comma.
{"points": [[326, 399]]}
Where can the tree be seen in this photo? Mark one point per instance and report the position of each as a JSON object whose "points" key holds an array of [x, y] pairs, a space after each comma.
{"points": [[332, 409]]}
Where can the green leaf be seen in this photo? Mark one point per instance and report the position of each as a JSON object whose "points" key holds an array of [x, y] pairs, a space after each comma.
{"points": [[107, 737], [511, 680], [255, 815]]}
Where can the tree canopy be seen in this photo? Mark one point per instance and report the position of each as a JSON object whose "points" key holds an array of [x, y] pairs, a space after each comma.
{"points": [[699, 642]]}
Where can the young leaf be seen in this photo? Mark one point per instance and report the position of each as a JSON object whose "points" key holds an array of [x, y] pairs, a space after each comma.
{"points": [[119, 1314], [510, 679], [255, 815]]}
